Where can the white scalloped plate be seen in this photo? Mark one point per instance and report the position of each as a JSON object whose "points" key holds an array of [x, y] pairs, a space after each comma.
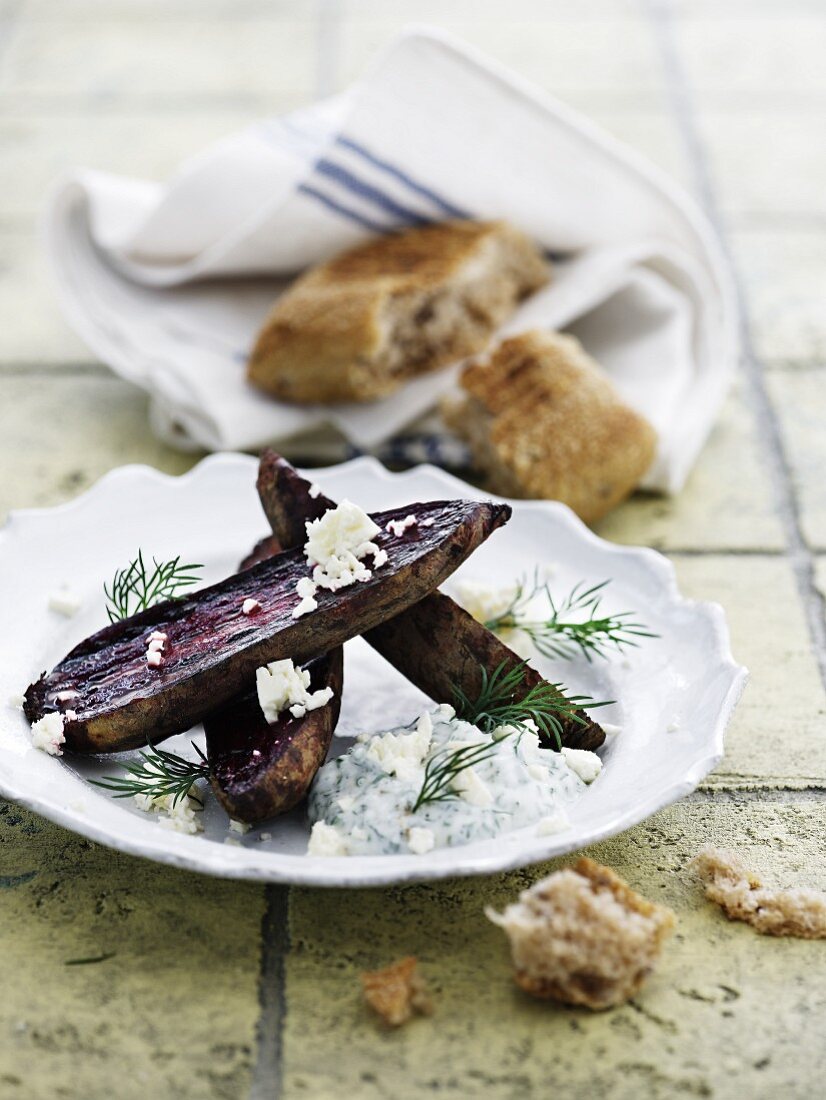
{"points": [[674, 694]]}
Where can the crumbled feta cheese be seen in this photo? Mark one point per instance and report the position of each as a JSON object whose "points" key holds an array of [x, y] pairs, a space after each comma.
{"points": [[554, 823], [326, 840], [47, 733], [265, 836], [315, 490], [65, 602], [16, 699], [346, 802], [483, 601], [282, 686], [305, 590], [420, 840], [238, 826], [398, 527], [428, 522], [673, 725], [65, 696], [69, 716], [610, 729], [156, 643], [338, 542], [181, 816], [472, 789], [232, 841], [401, 754], [587, 765], [445, 712], [250, 606], [538, 772]]}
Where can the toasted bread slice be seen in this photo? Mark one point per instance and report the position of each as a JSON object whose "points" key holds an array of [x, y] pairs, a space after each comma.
{"points": [[584, 937], [357, 327], [544, 420]]}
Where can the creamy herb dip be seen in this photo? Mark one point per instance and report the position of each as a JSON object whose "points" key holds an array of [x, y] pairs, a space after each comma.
{"points": [[362, 803]]}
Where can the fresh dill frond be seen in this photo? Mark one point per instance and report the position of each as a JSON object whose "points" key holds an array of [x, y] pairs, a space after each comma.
{"points": [[499, 704], [157, 774], [443, 767], [574, 624], [139, 586]]}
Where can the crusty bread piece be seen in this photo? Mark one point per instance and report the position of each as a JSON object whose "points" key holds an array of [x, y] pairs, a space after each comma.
{"points": [[742, 896], [396, 992], [544, 420], [584, 937], [357, 327]]}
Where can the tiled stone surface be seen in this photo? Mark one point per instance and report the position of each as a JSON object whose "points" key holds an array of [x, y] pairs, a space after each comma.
{"points": [[172, 1012], [147, 62], [766, 163], [59, 434], [800, 397], [701, 1027], [733, 512], [776, 737], [785, 282]]}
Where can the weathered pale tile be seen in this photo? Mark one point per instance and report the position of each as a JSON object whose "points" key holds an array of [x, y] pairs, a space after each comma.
{"points": [[800, 400], [759, 55], [33, 329], [60, 432], [785, 281], [700, 1027], [172, 1012], [713, 512], [767, 161], [776, 735], [96, 60], [612, 54], [36, 148]]}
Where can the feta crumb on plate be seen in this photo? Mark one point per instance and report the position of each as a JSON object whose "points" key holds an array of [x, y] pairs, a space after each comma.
{"points": [[65, 602], [326, 840], [182, 816], [47, 733], [250, 606], [239, 826], [587, 765], [420, 840]]}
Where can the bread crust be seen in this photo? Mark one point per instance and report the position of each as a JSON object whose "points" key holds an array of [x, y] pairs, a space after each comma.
{"points": [[544, 420], [582, 936], [358, 326]]}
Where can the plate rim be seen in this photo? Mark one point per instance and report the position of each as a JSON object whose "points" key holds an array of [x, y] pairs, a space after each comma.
{"points": [[242, 863]]}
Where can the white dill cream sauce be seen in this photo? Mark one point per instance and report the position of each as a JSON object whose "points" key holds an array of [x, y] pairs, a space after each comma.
{"points": [[362, 802]]}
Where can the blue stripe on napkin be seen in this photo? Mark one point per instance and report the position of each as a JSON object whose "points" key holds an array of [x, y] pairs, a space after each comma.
{"points": [[370, 193], [403, 177], [345, 211]]}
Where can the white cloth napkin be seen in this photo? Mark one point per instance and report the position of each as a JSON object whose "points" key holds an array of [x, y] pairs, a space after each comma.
{"points": [[168, 284]]}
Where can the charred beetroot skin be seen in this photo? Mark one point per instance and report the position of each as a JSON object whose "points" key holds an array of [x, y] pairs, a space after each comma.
{"points": [[259, 769], [435, 643], [213, 650]]}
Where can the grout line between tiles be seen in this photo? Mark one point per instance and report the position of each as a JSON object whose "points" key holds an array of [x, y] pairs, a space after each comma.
{"points": [[800, 556], [275, 944]]}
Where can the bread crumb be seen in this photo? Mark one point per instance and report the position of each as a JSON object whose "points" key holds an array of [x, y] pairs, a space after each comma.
{"points": [[584, 937], [397, 992], [742, 896]]}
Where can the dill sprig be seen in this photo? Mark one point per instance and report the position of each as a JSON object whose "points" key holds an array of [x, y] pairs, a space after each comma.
{"points": [[157, 774], [139, 586], [589, 631], [496, 708], [545, 705], [443, 767]]}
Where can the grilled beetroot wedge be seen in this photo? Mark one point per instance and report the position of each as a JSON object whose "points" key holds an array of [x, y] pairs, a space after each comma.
{"points": [[259, 769], [212, 650], [435, 643]]}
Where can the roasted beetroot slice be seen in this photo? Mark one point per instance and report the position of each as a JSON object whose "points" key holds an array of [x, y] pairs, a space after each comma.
{"points": [[259, 769], [435, 643], [213, 650]]}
